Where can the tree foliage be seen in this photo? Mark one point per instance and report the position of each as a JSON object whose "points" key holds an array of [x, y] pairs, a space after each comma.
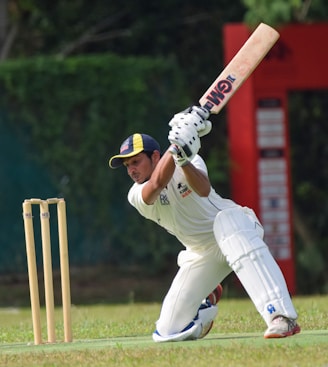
{"points": [[189, 34], [279, 12], [309, 155], [70, 116]]}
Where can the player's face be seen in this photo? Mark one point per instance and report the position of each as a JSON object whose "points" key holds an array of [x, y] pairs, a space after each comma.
{"points": [[139, 167]]}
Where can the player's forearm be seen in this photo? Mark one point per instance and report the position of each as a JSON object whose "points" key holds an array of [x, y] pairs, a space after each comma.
{"points": [[159, 179], [197, 180], [164, 170]]}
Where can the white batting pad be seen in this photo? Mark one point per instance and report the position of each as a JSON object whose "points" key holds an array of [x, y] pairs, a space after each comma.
{"points": [[236, 233]]}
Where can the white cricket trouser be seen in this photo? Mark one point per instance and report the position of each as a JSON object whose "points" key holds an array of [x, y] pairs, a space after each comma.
{"points": [[239, 248], [198, 275]]}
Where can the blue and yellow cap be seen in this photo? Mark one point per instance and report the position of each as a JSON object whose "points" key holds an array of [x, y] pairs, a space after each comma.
{"points": [[134, 145]]}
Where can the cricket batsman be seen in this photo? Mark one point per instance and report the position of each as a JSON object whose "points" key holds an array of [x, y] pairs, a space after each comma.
{"points": [[219, 236]]}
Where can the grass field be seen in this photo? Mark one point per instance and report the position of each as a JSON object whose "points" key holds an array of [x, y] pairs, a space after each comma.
{"points": [[120, 335]]}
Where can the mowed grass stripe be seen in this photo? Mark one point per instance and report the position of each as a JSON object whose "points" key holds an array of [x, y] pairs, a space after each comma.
{"points": [[254, 340]]}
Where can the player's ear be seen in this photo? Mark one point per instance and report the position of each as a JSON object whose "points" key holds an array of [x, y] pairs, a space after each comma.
{"points": [[156, 156]]}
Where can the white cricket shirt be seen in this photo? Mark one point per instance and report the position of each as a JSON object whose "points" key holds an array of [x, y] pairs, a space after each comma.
{"points": [[181, 211]]}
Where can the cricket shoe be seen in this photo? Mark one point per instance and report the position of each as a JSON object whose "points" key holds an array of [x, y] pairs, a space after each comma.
{"points": [[209, 307], [281, 327]]}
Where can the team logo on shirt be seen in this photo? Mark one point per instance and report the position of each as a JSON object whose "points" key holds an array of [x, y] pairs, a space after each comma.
{"points": [[184, 190], [164, 199]]}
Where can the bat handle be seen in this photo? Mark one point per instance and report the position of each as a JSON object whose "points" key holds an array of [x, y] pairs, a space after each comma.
{"points": [[176, 150], [208, 109]]}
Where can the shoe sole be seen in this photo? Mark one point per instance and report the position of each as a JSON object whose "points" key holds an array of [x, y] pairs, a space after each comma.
{"points": [[296, 330], [207, 330]]}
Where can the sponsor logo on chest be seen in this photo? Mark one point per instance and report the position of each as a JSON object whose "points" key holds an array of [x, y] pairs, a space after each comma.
{"points": [[184, 190]]}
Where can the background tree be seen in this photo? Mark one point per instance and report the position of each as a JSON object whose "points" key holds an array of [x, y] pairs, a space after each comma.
{"points": [[190, 35]]}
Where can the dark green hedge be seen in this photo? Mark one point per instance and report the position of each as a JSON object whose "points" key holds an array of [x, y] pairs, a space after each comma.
{"points": [[67, 117]]}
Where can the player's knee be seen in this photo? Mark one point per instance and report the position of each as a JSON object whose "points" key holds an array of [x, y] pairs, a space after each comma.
{"points": [[234, 220], [236, 236], [197, 328]]}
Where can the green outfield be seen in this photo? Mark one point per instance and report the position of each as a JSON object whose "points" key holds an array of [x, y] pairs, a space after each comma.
{"points": [[120, 335], [252, 340]]}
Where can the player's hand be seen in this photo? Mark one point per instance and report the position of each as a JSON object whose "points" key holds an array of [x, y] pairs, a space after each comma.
{"points": [[195, 116], [202, 112], [180, 158], [187, 140]]}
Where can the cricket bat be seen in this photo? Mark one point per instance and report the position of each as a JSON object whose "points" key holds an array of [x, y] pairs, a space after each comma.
{"points": [[236, 72], [239, 68]]}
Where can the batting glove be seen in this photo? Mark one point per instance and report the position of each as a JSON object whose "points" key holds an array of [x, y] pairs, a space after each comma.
{"points": [[193, 116], [186, 138], [202, 112], [180, 159]]}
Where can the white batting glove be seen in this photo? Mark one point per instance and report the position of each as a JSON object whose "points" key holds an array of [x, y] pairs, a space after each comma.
{"points": [[186, 138], [202, 112], [180, 159], [195, 116], [206, 130]]}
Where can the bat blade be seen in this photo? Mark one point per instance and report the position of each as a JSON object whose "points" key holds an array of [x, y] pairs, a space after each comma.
{"points": [[239, 68]]}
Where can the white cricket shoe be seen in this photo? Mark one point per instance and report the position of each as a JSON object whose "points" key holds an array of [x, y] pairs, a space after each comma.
{"points": [[206, 318], [281, 327], [210, 309]]}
